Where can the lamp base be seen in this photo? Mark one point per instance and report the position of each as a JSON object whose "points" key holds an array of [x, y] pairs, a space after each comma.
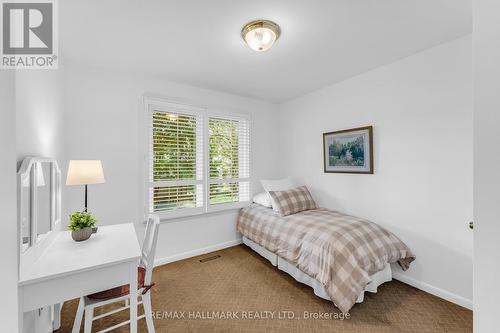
{"points": [[85, 198]]}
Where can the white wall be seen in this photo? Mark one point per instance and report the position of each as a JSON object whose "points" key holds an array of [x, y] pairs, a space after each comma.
{"points": [[421, 111], [103, 115], [8, 225], [486, 164], [40, 113], [40, 131]]}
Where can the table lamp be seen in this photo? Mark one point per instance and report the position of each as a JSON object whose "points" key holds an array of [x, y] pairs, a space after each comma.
{"points": [[85, 172]]}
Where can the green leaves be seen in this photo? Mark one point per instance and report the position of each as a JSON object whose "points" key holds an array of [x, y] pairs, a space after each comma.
{"points": [[81, 220], [174, 146], [177, 160], [223, 159], [223, 149], [174, 158]]}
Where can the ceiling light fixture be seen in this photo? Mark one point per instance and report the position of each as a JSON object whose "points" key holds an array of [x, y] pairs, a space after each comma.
{"points": [[260, 35]]}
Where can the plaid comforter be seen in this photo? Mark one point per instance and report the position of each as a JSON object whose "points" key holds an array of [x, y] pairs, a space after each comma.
{"points": [[339, 250]]}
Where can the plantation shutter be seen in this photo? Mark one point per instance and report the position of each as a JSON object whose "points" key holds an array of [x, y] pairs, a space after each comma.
{"points": [[228, 161], [175, 186]]}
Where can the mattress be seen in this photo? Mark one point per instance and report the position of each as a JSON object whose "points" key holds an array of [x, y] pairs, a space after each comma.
{"points": [[377, 279]]}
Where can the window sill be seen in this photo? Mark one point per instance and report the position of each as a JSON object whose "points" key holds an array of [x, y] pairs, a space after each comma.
{"points": [[212, 211]]}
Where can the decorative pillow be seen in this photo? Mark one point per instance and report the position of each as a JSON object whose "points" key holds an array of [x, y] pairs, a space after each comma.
{"points": [[293, 201], [262, 199], [276, 185]]}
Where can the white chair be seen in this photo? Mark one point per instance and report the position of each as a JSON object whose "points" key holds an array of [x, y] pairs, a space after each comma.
{"points": [[89, 303]]}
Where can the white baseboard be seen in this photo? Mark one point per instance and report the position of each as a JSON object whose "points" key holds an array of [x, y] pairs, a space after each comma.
{"points": [[451, 297], [197, 252]]}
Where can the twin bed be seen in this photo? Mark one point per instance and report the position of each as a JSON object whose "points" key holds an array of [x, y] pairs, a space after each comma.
{"points": [[338, 255]]}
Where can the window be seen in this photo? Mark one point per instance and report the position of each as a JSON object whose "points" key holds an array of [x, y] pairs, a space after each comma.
{"points": [[228, 157], [197, 161], [175, 160]]}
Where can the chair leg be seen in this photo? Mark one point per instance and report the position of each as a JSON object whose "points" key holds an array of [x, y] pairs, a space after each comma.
{"points": [[89, 316], [146, 302], [78, 318], [57, 316]]}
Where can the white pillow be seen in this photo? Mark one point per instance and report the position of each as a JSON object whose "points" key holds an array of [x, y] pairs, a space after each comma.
{"points": [[276, 185], [262, 199]]}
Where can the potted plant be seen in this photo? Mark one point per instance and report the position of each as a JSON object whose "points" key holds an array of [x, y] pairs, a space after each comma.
{"points": [[82, 225]]}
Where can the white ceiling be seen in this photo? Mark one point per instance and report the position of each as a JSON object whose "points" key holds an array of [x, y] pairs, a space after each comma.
{"points": [[199, 43]]}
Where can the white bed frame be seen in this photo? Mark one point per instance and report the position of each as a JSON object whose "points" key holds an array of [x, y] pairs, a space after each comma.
{"points": [[377, 279]]}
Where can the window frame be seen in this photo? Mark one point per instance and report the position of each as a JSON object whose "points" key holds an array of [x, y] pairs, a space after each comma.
{"points": [[151, 103], [230, 205]]}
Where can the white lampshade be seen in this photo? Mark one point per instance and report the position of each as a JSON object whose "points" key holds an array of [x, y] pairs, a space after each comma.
{"points": [[82, 172]]}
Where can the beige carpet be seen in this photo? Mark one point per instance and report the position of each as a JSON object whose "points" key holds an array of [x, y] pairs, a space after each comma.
{"points": [[261, 298]]}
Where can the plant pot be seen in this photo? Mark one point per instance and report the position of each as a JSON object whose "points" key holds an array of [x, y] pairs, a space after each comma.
{"points": [[82, 234]]}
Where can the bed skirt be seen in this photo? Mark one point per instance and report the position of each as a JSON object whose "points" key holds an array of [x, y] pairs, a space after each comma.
{"points": [[377, 279]]}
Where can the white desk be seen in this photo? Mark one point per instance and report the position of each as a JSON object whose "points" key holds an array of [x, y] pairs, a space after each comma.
{"points": [[69, 269]]}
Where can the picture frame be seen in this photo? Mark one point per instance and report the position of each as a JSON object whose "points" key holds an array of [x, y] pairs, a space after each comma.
{"points": [[348, 151]]}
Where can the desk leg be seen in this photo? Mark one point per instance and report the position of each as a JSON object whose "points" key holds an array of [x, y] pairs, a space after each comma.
{"points": [[133, 298], [20, 308]]}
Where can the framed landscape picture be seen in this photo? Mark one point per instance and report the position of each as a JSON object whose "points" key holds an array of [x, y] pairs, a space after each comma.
{"points": [[349, 151]]}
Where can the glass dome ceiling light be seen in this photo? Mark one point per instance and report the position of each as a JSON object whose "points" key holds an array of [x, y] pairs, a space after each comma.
{"points": [[260, 35]]}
